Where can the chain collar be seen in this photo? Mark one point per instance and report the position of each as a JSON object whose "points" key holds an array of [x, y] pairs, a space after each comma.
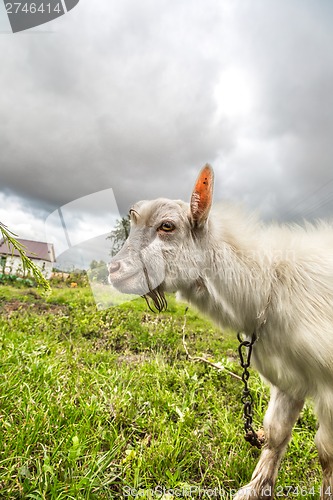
{"points": [[245, 352]]}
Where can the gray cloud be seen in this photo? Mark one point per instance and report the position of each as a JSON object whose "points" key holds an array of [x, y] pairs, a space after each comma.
{"points": [[124, 96], [287, 45], [126, 103]]}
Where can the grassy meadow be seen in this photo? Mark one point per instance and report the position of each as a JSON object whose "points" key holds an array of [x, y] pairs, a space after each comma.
{"points": [[105, 404]]}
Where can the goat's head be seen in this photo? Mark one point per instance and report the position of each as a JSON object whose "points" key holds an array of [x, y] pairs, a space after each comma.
{"points": [[165, 242]]}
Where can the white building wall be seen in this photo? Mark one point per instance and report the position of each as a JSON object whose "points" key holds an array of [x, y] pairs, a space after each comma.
{"points": [[14, 266]]}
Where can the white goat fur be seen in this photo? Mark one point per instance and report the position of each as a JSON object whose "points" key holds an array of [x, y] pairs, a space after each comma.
{"points": [[275, 280]]}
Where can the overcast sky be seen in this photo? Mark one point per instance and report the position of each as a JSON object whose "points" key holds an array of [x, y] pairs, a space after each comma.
{"points": [[137, 96]]}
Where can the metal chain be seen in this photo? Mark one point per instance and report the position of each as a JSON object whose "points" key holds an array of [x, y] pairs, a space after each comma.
{"points": [[245, 352]]}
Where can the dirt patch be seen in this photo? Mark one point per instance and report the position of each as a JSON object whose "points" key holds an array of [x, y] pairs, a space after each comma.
{"points": [[10, 306]]}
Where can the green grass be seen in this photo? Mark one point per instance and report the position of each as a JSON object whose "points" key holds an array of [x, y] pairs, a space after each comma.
{"points": [[102, 405]]}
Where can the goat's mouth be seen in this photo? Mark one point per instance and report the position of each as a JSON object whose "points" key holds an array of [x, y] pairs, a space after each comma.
{"points": [[157, 298], [151, 289]]}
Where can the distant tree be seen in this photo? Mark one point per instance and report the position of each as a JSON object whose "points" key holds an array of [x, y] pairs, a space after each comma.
{"points": [[98, 271], [27, 264], [93, 264], [119, 234]]}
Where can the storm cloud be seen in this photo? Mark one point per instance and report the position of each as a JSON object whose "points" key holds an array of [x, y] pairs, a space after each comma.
{"points": [[138, 96]]}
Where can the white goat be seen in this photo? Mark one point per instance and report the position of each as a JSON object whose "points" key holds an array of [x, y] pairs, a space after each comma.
{"points": [[275, 281]]}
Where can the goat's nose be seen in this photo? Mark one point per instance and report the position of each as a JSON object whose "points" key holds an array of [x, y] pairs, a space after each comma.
{"points": [[114, 267]]}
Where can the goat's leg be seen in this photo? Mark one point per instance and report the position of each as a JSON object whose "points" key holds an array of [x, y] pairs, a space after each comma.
{"points": [[324, 442], [280, 417]]}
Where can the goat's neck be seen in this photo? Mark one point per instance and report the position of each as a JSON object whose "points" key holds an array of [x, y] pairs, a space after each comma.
{"points": [[232, 286]]}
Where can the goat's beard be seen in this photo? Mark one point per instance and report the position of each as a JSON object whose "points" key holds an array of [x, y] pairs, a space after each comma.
{"points": [[158, 299], [155, 295]]}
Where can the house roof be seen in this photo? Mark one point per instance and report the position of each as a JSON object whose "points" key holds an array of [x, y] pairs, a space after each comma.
{"points": [[39, 250]]}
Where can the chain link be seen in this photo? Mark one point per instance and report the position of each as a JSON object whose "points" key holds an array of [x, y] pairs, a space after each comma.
{"points": [[245, 351]]}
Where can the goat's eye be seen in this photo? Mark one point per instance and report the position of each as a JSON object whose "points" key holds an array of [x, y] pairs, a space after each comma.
{"points": [[167, 227]]}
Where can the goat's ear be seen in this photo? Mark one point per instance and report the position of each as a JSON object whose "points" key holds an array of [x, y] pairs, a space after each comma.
{"points": [[202, 195]]}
